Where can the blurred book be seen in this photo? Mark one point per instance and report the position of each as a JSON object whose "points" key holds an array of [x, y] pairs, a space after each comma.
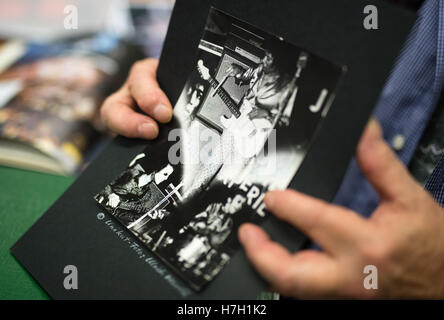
{"points": [[50, 99]]}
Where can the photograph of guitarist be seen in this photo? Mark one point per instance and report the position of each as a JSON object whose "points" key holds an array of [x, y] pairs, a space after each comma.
{"points": [[266, 88], [267, 103]]}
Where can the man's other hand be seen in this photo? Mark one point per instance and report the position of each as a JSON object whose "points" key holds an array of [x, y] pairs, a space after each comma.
{"points": [[140, 89], [404, 238]]}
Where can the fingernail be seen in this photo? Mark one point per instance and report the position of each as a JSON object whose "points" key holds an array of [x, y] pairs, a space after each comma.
{"points": [[148, 130], [269, 199], [162, 113], [244, 233], [375, 128], [372, 134]]}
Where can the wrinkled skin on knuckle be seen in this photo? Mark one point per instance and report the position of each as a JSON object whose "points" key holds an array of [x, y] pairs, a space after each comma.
{"points": [[316, 217], [151, 62], [352, 283], [285, 283], [137, 66], [351, 275], [413, 200], [425, 263], [141, 103], [147, 102], [144, 65], [151, 98], [430, 206], [409, 257], [104, 109], [381, 252]]}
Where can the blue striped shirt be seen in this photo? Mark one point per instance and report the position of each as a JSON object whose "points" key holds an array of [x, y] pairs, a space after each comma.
{"points": [[406, 105]]}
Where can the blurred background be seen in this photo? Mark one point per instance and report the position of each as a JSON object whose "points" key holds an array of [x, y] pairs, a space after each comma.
{"points": [[59, 59]]}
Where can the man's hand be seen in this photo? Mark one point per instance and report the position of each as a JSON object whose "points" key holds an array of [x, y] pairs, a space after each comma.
{"points": [[404, 238], [140, 89]]}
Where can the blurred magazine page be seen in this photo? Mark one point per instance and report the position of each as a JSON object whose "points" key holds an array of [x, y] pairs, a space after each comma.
{"points": [[50, 101], [49, 20], [150, 20]]}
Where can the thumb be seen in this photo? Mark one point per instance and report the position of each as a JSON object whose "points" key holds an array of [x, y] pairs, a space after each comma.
{"points": [[385, 172]]}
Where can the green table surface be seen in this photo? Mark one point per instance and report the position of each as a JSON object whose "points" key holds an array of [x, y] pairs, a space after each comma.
{"points": [[24, 197]]}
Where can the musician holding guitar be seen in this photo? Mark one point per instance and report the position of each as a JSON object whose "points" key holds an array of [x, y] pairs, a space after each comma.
{"points": [[260, 108], [267, 103]]}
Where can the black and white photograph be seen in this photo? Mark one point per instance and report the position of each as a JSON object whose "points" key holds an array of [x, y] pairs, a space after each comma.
{"points": [[245, 121]]}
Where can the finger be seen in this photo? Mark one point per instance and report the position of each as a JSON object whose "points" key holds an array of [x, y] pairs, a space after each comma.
{"points": [[269, 258], [381, 166], [333, 227], [146, 92], [119, 115], [314, 275], [308, 274]]}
